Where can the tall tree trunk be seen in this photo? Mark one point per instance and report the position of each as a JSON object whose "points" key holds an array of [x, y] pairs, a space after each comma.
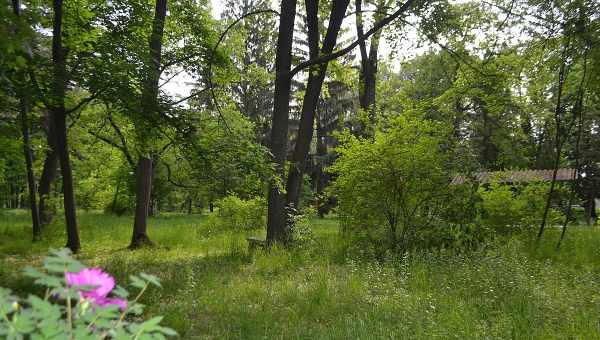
{"points": [[59, 117], [320, 176], [590, 208], [558, 110], [276, 217], [35, 216], [150, 110], [48, 174], [143, 187], [23, 112], [313, 91], [367, 87]]}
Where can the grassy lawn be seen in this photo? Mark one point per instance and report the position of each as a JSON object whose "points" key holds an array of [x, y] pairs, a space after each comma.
{"points": [[214, 289]]}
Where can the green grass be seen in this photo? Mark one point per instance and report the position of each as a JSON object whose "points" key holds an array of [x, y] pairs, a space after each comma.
{"points": [[214, 289]]}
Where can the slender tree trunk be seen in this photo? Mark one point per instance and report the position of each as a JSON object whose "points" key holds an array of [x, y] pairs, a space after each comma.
{"points": [[312, 93], [577, 114], [150, 109], [367, 88], [48, 175], [23, 112], [558, 110], [320, 179], [35, 217], [113, 206], [590, 208], [59, 119], [276, 217], [143, 189]]}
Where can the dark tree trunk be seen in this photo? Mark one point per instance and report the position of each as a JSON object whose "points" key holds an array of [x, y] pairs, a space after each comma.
{"points": [[489, 151], [367, 87], [313, 91], [48, 175], [59, 116], [590, 209], [319, 176], [35, 217], [276, 218], [150, 110], [558, 110], [113, 205], [143, 187], [28, 154]]}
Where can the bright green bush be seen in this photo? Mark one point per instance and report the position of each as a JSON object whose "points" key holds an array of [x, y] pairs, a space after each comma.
{"points": [[78, 303], [237, 214], [516, 206], [392, 188]]}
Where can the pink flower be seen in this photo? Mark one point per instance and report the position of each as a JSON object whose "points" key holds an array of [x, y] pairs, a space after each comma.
{"points": [[101, 285]]}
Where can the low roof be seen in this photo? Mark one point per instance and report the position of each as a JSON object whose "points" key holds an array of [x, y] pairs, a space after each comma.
{"points": [[564, 174]]}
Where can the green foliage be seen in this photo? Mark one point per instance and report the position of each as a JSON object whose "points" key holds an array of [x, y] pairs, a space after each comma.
{"points": [[506, 207], [63, 313], [390, 188], [239, 215]]}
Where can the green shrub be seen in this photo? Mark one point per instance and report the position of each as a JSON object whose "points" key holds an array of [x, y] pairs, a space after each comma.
{"points": [[506, 207], [391, 188], [236, 214]]}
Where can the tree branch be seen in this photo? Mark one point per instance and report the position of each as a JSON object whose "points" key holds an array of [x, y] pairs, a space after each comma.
{"points": [[83, 102], [378, 26]]}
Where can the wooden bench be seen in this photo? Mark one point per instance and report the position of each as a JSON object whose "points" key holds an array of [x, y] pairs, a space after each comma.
{"points": [[255, 242]]}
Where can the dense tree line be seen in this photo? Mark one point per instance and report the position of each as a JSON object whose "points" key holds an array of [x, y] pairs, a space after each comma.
{"points": [[85, 116]]}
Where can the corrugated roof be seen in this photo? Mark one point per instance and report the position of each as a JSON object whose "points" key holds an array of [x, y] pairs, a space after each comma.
{"points": [[565, 174]]}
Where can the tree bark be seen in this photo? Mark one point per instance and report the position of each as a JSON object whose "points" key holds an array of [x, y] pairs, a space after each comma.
{"points": [[150, 110], [58, 112], [277, 230], [558, 110], [590, 209], [143, 187], [35, 216], [313, 92], [367, 87], [48, 175], [28, 154]]}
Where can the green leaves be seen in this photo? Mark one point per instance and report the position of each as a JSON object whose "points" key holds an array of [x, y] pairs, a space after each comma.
{"points": [[390, 188], [63, 313]]}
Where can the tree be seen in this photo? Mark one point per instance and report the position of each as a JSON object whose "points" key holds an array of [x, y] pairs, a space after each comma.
{"points": [[277, 229], [252, 56], [313, 92], [367, 86], [276, 218], [59, 120], [150, 108], [24, 108]]}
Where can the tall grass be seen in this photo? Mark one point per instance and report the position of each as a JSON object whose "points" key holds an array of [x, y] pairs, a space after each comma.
{"points": [[215, 289]]}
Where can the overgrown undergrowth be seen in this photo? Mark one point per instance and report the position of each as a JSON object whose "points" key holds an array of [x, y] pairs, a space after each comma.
{"points": [[213, 288]]}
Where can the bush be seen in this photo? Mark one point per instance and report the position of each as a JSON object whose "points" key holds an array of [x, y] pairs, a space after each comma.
{"points": [[77, 305], [508, 207], [236, 214], [392, 188]]}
